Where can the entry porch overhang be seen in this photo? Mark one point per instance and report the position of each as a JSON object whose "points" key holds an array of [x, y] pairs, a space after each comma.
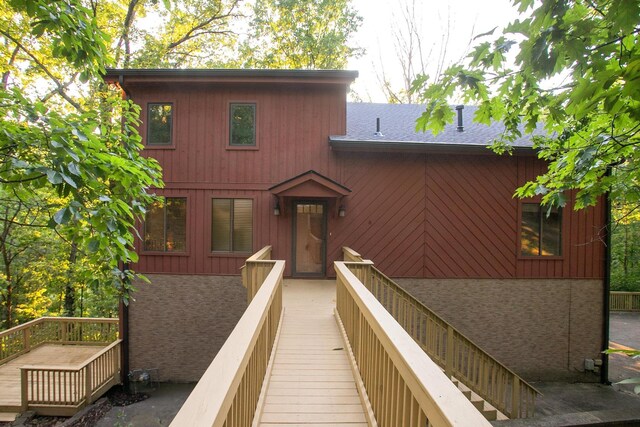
{"points": [[309, 185]]}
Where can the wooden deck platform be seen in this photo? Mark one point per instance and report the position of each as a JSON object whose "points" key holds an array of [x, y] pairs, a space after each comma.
{"points": [[48, 354], [311, 382]]}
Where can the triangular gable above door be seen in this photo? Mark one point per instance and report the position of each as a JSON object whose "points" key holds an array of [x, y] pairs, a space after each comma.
{"points": [[310, 184]]}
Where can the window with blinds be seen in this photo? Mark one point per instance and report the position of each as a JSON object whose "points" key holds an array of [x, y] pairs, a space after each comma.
{"points": [[231, 225]]}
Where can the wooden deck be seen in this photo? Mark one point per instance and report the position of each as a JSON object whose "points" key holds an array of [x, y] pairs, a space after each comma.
{"points": [[49, 355], [311, 382]]}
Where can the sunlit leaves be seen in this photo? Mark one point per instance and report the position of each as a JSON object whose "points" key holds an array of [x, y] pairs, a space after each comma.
{"points": [[308, 34], [576, 72]]}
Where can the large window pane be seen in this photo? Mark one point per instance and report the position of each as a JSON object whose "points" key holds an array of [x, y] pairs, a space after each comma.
{"points": [[551, 232], [242, 225], [154, 227], [165, 226], [176, 224], [221, 225], [232, 225], [160, 123], [243, 124], [541, 231]]}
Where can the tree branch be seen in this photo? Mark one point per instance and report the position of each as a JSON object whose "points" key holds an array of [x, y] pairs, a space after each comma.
{"points": [[60, 87]]}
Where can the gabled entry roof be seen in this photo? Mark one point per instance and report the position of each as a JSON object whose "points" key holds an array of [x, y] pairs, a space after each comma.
{"points": [[310, 184]]}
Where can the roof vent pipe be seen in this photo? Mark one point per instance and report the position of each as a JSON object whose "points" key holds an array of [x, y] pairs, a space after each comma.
{"points": [[459, 108], [378, 133]]}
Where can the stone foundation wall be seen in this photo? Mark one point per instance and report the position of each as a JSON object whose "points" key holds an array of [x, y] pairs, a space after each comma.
{"points": [[179, 322], [543, 329]]}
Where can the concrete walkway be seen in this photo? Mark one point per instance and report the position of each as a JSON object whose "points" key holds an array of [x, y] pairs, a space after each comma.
{"points": [[565, 404], [624, 333]]}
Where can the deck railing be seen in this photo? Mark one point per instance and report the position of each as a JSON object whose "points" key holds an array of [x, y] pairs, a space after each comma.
{"points": [[457, 355], [228, 392], [624, 301], [404, 386], [256, 268], [54, 390], [59, 330]]}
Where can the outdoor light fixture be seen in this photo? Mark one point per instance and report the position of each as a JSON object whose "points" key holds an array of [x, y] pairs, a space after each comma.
{"points": [[276, 208], [341, 211]]}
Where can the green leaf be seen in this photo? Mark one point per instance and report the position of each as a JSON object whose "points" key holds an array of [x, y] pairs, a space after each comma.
{"points": [[62, 216]]}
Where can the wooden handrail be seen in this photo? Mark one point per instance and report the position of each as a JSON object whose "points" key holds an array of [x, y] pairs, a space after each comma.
{"points": [[87, 330], [255, 270], [55, 390], [405, 387], [456, 354], [228, 392], [624, 301]]}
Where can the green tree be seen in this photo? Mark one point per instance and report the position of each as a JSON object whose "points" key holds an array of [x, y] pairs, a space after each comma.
{"points": [[301, 34], [76, 142], [176, 34], [576, 71]]}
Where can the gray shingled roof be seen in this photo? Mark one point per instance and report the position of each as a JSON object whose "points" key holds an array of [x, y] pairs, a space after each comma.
{"points": [[398, 123]]}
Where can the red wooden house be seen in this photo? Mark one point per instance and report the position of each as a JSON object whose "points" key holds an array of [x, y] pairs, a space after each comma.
{"points": [[278, 157]]}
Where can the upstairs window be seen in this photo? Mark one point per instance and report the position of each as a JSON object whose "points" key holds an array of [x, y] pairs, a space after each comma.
{"points": [[242, 125], [232, 225], [165, 225], [540, 230], [159, 123]]}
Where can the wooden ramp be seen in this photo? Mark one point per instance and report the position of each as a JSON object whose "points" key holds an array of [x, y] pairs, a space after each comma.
{"points": [[311, 382]]}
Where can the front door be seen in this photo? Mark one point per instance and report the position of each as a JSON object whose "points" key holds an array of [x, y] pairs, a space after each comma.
{"points": [[309, 238]]}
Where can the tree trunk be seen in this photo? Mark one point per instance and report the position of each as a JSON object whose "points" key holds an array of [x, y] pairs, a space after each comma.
{"points": [[69, 290]]}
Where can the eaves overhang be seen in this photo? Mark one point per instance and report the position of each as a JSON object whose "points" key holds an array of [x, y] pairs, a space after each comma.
{"points": [[340, 143], [212, 76]]}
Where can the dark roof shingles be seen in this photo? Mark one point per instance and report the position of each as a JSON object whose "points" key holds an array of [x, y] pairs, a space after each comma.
{"points": [[398, 123]]}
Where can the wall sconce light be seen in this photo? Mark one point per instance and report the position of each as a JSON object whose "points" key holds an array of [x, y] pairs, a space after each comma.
{"points": [[341, 211], [276, 208]]}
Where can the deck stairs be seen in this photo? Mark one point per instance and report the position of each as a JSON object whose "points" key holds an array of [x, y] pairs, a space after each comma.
{"points": [[488, 411]]}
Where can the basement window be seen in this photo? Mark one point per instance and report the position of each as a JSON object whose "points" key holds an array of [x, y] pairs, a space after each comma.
{"points": [[540, 230]]}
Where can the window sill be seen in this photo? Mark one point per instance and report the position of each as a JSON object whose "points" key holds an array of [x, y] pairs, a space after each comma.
{"points": [[159, 147], [156, 253], [229, 254], [540, 257], [242, 148]]}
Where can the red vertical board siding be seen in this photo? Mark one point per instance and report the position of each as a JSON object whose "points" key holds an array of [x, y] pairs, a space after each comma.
{"points": [[415, 215]]}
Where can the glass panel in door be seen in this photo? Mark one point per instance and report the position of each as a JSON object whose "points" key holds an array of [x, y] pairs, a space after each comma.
{"points": [[309, 238]]}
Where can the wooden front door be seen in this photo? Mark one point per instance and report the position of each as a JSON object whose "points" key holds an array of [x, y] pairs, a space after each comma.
{"points": [[309, 238]]}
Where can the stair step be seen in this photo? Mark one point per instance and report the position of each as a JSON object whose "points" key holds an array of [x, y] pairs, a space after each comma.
{"points": [[8, 417], [490, 414]]}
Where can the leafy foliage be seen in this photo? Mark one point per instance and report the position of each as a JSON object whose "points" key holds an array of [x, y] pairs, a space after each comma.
{"points": [[308, 34], [170, 34], [67, 161], [577, 71]]}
